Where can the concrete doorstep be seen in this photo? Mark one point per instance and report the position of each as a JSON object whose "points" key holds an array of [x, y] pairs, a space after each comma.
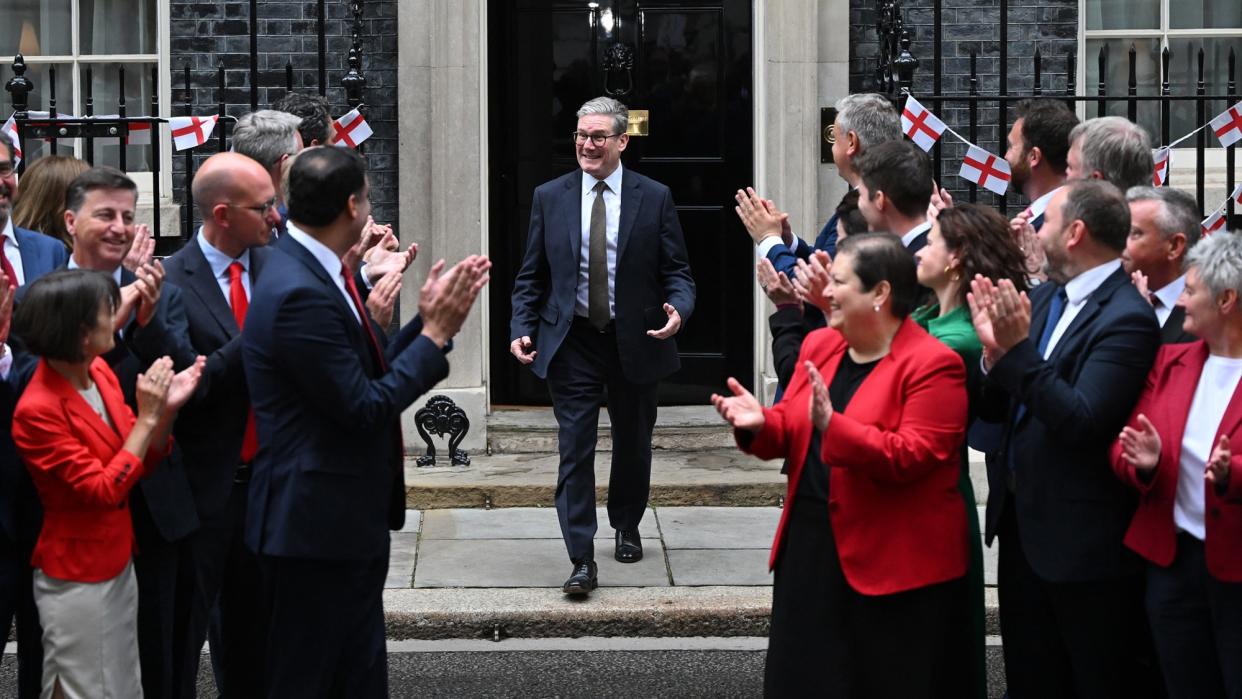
{"points": [[492, 574]]}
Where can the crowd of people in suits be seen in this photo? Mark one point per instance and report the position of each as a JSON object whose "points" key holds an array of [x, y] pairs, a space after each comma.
{"points": [[1090, 348], [208, 446]]}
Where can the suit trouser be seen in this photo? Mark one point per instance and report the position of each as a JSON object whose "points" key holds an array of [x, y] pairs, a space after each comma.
{"points": [[163, 603], [1196, 621], [228, 604], [17, 600], [327, 627], [1067, 640], [584, 374]]}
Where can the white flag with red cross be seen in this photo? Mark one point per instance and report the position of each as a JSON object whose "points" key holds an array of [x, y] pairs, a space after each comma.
{"points": [[1237, 194], [351, 130], [191, 131], [10, 129], [920, 125], [1215, 222], [1228, 125], [1163, 159], [986, 170]]}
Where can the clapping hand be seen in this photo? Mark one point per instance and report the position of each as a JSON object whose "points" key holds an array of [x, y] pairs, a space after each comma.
{"points": [[141, 250], [760, 220], [1139, 280], [150, 281], [383, 298], [775, 284], [741, 410], [184, 382], [1025, 237], [812, 280], [820, 405], [1141, 447], [445, 301], [940, 200], [387, 257], [1001, 315], [1217, 471], [152, 390]]}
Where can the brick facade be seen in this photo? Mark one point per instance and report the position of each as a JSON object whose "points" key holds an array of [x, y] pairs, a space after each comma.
{"points": [[972, 25], [208, 34]]}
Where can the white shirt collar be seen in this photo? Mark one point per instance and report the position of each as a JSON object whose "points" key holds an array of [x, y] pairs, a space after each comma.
{"points": [[328, 259], [1169, 292], [915, 232], [9, 231], [1040, 205], [116, 273], [613, 180], [218, 261], [1079, 288]]}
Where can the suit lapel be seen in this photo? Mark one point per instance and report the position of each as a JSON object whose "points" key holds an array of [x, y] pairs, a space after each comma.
{"points": [[571, 204], [631, 200], [77, 407], [1171, 331], [203, 284], [301, 254], [1090, 308]]}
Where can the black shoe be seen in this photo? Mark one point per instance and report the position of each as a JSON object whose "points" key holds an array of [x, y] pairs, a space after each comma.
{"points": [[584, 579], [629, 546]]}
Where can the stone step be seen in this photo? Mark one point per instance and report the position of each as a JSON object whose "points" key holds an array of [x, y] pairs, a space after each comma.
{"points": [[533, 430]]}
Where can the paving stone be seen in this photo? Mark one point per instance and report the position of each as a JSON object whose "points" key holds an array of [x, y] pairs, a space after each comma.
{"points": [[512, 523], [718, 527], [719, 567], [413, 521], [526, 563], [402, 556]]}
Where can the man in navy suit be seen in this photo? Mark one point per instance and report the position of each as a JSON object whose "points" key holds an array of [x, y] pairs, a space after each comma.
{"points": [[327, 390], [27, 256], [216, 272], [1064, 370], [1164, 226], [604, 286]]}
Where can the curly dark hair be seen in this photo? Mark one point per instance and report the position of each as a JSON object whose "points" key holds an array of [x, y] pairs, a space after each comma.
{"points": [[980, 237]]}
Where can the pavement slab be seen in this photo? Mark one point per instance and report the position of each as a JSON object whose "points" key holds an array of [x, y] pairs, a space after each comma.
{"points": [[718, 527], [511, 523], [716, 567], [527, 563]]}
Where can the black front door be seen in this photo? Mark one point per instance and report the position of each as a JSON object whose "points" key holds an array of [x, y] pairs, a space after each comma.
{"points": [[692, 73]]}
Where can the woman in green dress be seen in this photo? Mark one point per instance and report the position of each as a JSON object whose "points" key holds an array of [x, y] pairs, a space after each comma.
{"points": [[966, 240]]}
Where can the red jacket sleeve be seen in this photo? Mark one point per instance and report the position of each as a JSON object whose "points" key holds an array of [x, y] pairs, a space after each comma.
{"points": [[48, 446]]}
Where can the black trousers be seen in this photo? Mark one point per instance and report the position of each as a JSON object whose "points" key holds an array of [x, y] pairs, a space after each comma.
{"points": [[228, 604], [17, 601], [828, 640], [1067, 640], [585, 374], [327, 627], [1196, 621], [162, 571]]}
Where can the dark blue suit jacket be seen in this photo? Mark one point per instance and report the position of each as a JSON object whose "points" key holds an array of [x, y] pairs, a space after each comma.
{"points": [[652, 269], [786, 260], [211, 427], [1071, 510], [327, 482]]}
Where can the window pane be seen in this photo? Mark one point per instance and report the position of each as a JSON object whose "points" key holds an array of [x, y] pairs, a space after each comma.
{"points": [[106, 80], [117, 26], [35, 27], [39, 74], [1124, 14], [1117, 78], [1206, 14], [1184, 77]]}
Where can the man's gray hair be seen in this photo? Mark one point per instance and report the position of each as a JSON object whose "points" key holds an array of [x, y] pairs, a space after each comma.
{"points": [[608, 107], [1118, 148], [1178, 212], [266, 135], [869, 115], [1219, 259]]}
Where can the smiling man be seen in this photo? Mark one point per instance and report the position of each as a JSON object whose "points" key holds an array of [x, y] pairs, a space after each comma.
{"points": [[604, 286]]}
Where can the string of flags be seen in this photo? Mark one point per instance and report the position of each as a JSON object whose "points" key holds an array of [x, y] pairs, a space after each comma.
{"points": [[992, 172], [350, 130], [1216, 220]]}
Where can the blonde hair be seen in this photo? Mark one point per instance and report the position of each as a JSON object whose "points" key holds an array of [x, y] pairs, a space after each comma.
{"points": [[41, 199]]}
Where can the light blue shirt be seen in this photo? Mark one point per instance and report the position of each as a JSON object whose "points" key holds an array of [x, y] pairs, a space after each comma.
{"points": [[612, 222], [219, 263], [116, 273], [328, 260]]}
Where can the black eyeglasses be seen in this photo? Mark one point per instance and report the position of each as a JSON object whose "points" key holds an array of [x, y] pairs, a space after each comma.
{"points": [[597, 140], [260, 209]]}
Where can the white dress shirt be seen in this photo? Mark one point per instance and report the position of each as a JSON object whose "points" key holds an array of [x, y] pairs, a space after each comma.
{"points": [[219, 263], [914, 233], [116, 273], [1040, 205], [328, 260], [612, 221], [1216, 386], [13, 252], [1168, 298], [1077, 291]]}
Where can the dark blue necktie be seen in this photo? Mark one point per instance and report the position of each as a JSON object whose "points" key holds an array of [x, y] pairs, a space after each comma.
{"points": [[1055, 310]]}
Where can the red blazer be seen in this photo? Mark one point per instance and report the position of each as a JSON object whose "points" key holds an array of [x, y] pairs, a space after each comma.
{"points": [[897, 515], [82, 474], [1166, 402]]}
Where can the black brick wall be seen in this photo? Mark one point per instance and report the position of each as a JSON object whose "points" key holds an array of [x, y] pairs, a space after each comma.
{"points": [[972, 25], [208, 34]]}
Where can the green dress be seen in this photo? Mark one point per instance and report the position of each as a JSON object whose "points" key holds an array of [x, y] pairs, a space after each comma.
{"points": [[956, 330]]}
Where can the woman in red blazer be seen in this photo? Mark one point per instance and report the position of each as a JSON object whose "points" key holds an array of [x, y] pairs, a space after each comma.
{"points": [[1176, 452], [85, 449], [871, 552]]}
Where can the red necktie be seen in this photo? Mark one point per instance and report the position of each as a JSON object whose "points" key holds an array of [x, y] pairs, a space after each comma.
{"points": [[240, 304], [352, 288], [9, 272]]}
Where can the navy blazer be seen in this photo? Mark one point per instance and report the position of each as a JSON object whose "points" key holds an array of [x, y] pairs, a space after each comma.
{"points": [[328, 480], [210, 428], [1072, 512], [40, 253], [652, 269]]}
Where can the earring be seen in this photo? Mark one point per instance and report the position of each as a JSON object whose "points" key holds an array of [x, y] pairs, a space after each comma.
{"points": [[877, 308], [954, 273]]}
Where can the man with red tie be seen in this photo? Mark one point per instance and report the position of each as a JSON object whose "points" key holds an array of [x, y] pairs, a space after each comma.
{"points": [[216, 271], [328, 389]]}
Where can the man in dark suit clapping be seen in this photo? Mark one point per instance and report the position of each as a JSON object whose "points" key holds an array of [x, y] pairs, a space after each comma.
{"points": [[1164, 226]]}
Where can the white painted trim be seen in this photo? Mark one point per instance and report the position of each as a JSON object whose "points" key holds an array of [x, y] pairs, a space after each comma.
{"points": [[759, 129], [484, 303]]}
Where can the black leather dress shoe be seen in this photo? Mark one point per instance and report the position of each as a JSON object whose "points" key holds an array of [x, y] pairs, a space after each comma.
{"points": [[629, 546], [584, 579]]}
